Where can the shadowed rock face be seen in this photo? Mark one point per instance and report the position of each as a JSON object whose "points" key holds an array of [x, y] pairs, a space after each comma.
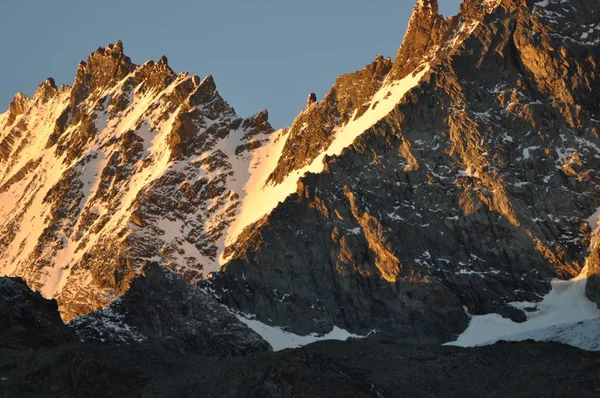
{"points": [[39, 357], [162, 310], [470, 195], [27, 320], [353, 369]]}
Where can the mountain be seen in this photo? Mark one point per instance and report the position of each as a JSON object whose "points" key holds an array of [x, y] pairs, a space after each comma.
{"points": [[461, 181], [420, 198], [130, 164]]}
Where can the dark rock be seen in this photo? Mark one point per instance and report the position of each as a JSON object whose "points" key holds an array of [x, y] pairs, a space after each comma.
{"points": [[327, 369], [159, 309], [312, 99], [27, 320]]}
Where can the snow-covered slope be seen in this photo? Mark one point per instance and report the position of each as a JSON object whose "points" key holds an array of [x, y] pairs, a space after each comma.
{"points": [[135, 164], [143, 165], [565, 315]]}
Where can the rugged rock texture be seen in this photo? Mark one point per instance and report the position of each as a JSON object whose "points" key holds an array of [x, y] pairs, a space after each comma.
{"points": [[162, 310], [327, 369], [312, 131], [426, 32], [135, 161], [187, 348], [469, 196], [27, 320]]}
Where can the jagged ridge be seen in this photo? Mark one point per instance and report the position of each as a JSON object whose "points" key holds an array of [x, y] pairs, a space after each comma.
{"points": [[132, 163]]}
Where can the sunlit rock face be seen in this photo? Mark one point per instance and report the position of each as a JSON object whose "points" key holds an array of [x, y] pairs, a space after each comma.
{"points": [[130, 164]]}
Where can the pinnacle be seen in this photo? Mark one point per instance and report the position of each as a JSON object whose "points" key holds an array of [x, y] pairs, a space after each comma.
{"points": [[204, 91], [431, 8], [46, 89], [19, 104], [118, 47], [50, 82], [163, 61], [103, 68], [433, 4], [209, 81]]}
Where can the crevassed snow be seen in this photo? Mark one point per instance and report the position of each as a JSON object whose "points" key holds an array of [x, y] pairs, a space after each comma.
{"points": [[279, 339], [557, 317], [259, 199]]}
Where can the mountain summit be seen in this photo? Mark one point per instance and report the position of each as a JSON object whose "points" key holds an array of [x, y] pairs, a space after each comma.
{"points": [[130, 164]]}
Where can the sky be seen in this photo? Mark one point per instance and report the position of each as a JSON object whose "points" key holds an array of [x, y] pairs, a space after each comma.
{"points": [[262, 53]]}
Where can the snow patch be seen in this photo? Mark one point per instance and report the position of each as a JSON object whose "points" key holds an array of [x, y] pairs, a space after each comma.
{"points": [[565, 304], [279, 339], [558, 317]]}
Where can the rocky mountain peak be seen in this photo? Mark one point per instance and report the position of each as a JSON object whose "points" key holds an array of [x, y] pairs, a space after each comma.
{"points": [[426, 30], [45, 90], [116, 48], [204, 91], [163, 61], [18, 106], [426, 6], [312, 131], [154, 162], [103, 68], [472, 192], [461, 176]]}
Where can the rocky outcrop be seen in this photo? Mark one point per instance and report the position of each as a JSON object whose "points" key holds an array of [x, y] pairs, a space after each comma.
{"points": [[27, 320], [311, 99], [103, 68], [312, 131], [17, 107], [427, 31], [159, 309]]}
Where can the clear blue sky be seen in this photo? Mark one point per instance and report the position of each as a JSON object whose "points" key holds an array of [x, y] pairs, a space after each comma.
{"points": [[262, 53]]}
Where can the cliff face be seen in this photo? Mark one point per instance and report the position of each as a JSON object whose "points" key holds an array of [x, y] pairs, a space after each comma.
{"points": [[466, 198]]}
